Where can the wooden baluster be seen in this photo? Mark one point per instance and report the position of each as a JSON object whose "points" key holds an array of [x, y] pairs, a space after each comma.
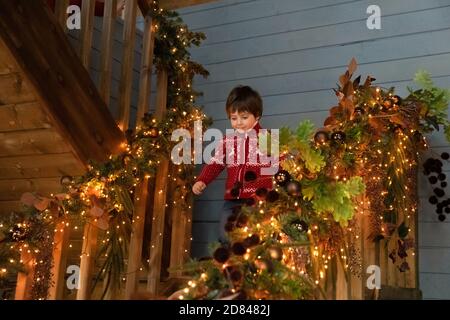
{"points": [[60, 253], [142, 190], [129, 35], [159, 207], [146, 69], [109, 21], [87, 260], [181, 237], [25, 280], [61, 13], [87, 28]]}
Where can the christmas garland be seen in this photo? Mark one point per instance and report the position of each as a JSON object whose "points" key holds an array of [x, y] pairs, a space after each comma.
{"points": [[104, 196], [284, 242]]}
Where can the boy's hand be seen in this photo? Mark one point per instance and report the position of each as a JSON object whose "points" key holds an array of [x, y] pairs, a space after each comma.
{"points": [[198, 187]]}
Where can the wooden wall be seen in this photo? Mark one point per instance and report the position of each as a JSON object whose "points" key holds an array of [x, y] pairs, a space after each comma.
{"points": [[292, 52]]}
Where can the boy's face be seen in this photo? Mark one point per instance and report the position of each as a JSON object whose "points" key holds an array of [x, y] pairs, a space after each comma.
{"points": [[242, 121]]}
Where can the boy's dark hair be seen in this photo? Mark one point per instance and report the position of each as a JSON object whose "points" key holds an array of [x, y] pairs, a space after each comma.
{"points": [[244, 98]]}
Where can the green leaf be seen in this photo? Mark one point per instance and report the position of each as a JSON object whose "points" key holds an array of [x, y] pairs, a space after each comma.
{"points": [[285, 136], [305, 131], [308, 193]]}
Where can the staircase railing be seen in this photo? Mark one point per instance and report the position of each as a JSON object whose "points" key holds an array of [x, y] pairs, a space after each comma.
{"points": [[154, 189]]}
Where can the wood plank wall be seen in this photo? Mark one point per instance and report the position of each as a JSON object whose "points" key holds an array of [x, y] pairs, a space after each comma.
{"points": [[292, 52]]}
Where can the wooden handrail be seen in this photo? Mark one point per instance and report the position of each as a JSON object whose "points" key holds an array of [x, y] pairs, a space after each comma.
{"points": [[65, 87]]}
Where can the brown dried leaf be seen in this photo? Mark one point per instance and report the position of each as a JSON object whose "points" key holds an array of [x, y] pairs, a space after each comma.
{"points": [[343, 79], [349, 107], [377, 124], [398, 119], [348, 89], [335, 111], [54, 208], [352, 66], [42, 204], [96, 211], [28, 199], [60, 196], [356, 82], [102, 223], [368, 81], [330, 121]]}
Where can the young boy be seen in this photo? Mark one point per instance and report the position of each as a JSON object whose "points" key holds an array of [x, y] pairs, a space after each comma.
{"points": [[239, 154]]}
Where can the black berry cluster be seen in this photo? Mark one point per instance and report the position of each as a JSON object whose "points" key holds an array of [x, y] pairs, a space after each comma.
{"points": [[433, 170]]}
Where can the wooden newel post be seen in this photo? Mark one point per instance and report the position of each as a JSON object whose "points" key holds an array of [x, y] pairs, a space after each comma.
{"points": [[25, 279], [87, 260], [159, 204], [60, 252]]}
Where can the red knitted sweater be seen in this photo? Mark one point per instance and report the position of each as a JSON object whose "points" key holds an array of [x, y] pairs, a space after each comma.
{"points": [[243, 177]]}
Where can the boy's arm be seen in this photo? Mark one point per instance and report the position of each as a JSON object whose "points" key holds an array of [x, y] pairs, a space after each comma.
{"points": [[215, 167], [210, 172]]}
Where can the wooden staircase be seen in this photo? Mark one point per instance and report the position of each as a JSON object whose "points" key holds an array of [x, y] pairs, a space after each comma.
{"points": [[54, 119]]}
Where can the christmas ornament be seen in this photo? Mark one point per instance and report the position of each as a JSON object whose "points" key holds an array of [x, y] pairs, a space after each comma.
{"points": [[294, 188], [238, 248], [433, 200], [441, 217], [321, 137], [221, 254], [338, 137], [272, 196], [387, 104], [439, 192], [282, 177], [229, 226], [264, 265], [300, 225], [261, 193], [236, 275], [242, 221], [445, 155], [358, 112], [251, 241], [153, 132], [432, 179], [396, 100], [19, 232], [276, 253]]}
